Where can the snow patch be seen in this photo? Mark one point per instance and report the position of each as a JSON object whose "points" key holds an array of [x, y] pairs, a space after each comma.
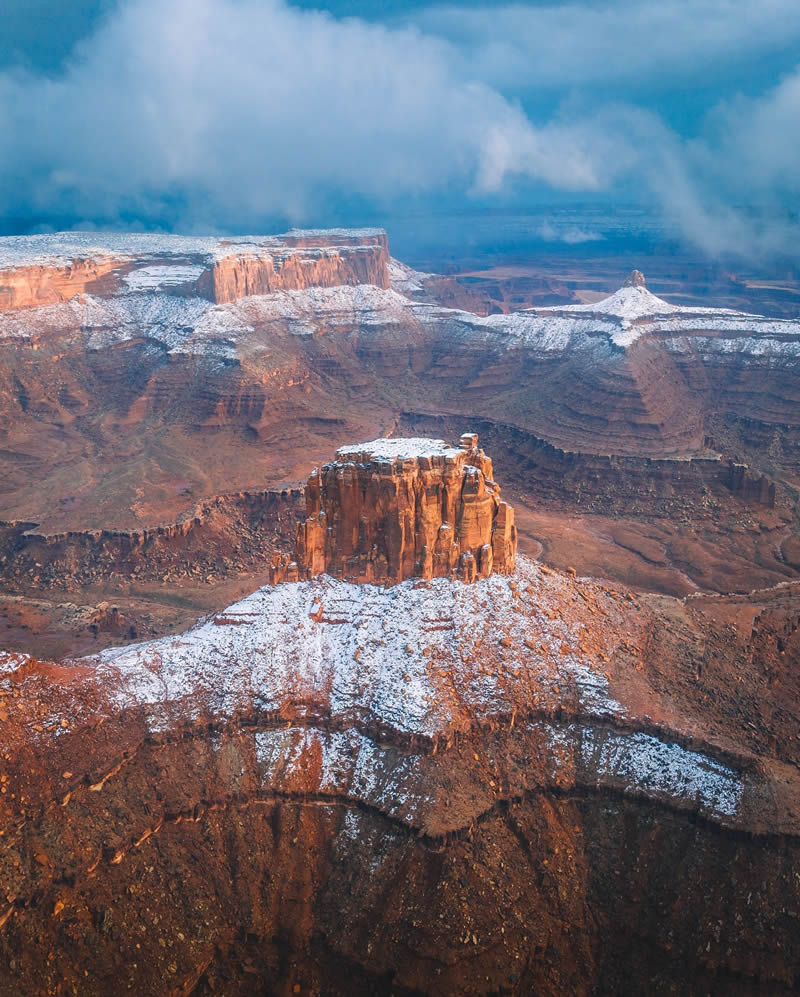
{"points": [[151, 278], [397, 449], [643, 763], [405, 279], [382, 654], [61, 248]]}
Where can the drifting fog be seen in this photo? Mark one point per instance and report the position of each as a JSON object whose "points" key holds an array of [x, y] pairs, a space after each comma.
{"points": [[214, 114]]}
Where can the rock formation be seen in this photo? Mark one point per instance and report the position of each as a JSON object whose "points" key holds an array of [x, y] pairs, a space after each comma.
{"points": [[115, 404], [398, 508], [354, 258], [635, 279], [533, 784], [46, 270]]}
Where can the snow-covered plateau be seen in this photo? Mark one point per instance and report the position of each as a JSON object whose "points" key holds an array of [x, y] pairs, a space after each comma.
{"points": [[150, 305], [422, 660]]}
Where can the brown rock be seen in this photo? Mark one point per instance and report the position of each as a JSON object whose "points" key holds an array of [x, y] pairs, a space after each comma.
{"points": [[301, 263], [395, 509]]}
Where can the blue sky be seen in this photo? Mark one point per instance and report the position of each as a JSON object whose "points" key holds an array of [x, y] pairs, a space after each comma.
{"points": [[236, 114]]}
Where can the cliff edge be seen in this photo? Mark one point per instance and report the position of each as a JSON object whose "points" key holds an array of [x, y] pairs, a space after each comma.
{"points": [[393, 509]]}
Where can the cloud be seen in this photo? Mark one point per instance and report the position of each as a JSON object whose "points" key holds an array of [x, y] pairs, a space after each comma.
{"points": [[244, 108], [755, 142], [572, 235], [221, 114], [583, 43]]}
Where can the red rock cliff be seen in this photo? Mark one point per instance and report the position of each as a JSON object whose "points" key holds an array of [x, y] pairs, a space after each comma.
{"points": [[295, 269], [43, 284], [398, 508], [53, 269]]}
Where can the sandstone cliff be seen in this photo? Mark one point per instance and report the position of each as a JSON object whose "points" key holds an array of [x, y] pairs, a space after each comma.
{"points": [[43, 284], [397, 508], [45, 270], [239, 276]]}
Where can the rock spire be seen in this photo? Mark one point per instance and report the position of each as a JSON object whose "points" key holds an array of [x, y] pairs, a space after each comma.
{"points": [[635, 279], [393, 509]]}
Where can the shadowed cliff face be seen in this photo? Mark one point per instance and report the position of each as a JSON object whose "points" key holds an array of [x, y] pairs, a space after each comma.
{"points": [[529, 784]]}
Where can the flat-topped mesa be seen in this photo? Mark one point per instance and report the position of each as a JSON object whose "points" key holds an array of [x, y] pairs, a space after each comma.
{"points": [[402, 508], [47, 270], [305, 259]]}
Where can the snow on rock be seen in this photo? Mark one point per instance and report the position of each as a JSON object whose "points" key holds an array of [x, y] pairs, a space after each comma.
{"points": [[105, 322], [11, 662], [150, 278], [304, 311], [419, 660], [405, 279], [640, 762], [190, 324], [634, 311], [345, 763], [61, 248], [331, 677], [414, 657], [395, 448]]}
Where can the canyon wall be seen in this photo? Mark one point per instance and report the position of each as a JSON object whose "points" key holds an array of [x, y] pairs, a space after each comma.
{"points": [[43, 284], [247, 874], [242, 275], [609, 484], [531, 784], [402, 508], [221, 270], [213, 540]]}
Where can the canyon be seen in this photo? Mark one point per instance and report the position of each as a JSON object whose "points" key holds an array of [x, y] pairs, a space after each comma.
{"points": [[226, 810], [376, 703]]}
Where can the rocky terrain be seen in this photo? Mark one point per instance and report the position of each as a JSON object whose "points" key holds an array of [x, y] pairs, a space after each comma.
{"points": [[333, 786], [394, 509], [126, 408], [46, 270], [328, 785]]}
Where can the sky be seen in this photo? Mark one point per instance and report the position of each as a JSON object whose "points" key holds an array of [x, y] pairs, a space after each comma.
{"points": [[243, 115]]}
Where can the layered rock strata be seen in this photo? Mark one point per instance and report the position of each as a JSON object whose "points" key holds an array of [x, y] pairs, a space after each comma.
{"points": [[531, 784], [394, 509], [357, 258], [46, 270]]}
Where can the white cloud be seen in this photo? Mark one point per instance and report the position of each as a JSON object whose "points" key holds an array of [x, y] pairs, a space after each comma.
{"points": [[581, 43], [254, 107], [219, 113], [572, 235]]}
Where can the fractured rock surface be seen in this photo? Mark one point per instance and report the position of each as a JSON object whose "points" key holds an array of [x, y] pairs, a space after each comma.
{"points": [[437, 788], [393, 509]]}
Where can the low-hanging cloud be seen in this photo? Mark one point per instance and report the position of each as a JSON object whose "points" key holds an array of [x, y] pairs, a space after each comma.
{"points": [[582, 42], [248, 108], [201, 114]]}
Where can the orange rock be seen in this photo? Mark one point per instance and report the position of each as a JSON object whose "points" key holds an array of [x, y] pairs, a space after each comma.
{"points": [[394, 509]]}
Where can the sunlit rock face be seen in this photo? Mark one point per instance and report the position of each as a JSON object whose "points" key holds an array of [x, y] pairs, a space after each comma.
{"points": [[394, 509], [46, 270]]}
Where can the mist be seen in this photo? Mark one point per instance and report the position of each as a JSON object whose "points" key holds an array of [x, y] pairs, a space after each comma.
{"points": [[223, 115]]}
